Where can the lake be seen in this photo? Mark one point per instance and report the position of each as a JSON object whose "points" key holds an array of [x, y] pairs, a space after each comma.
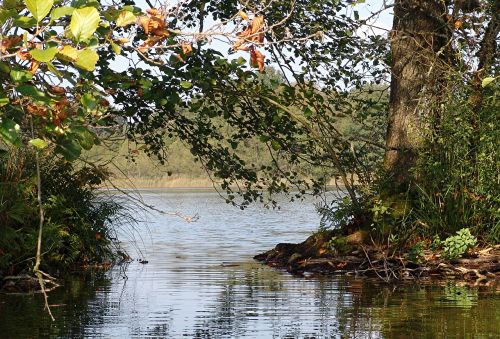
{"points": [[201, 282]]}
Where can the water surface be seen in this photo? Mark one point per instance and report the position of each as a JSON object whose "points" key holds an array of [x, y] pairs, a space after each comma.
{"points": [[201, 282]]}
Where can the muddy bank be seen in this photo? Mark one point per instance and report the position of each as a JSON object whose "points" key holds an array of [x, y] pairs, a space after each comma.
{"points": [[315, 256]]}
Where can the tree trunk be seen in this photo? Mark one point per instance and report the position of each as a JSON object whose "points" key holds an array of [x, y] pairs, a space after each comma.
{"points": [[419, 40]]}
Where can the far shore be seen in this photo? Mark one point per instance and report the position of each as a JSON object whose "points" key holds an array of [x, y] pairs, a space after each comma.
{"points": [[174, 183]]}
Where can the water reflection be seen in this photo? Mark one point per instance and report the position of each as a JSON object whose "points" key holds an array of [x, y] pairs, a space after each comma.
{"points": [[201, 283]]}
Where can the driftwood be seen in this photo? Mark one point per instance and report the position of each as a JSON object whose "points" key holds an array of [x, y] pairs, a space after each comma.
{"points": [[26, 284]]}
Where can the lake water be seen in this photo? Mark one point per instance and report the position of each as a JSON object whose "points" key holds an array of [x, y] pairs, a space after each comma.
{"points": [[201, 282]]}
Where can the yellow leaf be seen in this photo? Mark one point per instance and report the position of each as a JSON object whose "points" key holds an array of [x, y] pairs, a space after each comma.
{"points": [[243, 15], [125, 18], [68, 54]]}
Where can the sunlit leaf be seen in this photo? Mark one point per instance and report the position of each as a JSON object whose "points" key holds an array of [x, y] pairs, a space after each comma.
{"points": [[59, 12], [4, 100], [487, 81], [186, 84], [116, 48], [39, 8], [68, 54], [38, 143], [125, 18], [84, 23], [87, 59], [44, 55]]}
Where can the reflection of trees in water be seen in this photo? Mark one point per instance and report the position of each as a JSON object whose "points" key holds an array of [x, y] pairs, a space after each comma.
{"points": [[23, 316], [452, 312], [257, 300]]}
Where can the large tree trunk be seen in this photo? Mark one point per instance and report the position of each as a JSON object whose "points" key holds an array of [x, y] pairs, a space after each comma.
{"points": [[419, 40]]}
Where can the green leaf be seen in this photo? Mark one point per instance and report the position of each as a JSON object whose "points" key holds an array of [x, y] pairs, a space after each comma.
{"points": [[125, 18], [54, 70], [84, 23], [275, 145], [4, 67], [20, 75], [9, 132], [10, 4], [59, 12], [89, 101], [116, 48], [85, 137], [38, 143], [87, 59], [4, 100], [487, 81], [70, 149], [24, 22], [6, 14], [44, 55], [186, 84], [33, 93], [39, 8]]}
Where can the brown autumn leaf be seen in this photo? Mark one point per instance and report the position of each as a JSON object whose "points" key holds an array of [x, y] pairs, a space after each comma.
{"points": [[458, 24], [154, 23], [34, 66], [57, 90], [61, 110], [150, 42], [153, 12], [122, 40], [144, 22], [9, 42], [104, 103], [36, 110], [257, 59], [252, 33], [187, 48], [257, 24], [23, 55]]}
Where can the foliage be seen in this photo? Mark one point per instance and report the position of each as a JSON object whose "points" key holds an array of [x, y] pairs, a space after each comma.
{"points": [[338, 244], [456, 246], [79, 220], [436, 243], [416, 253]]}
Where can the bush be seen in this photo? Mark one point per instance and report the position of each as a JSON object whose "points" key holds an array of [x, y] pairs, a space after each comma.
{"points": [[78, 219], [456, 246]]}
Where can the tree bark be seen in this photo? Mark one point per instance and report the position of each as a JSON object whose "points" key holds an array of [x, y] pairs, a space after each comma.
{"points": [[419, 40]]}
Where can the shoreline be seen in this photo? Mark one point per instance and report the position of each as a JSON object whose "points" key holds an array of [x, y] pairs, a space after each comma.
{"points": [[175, 184], [310, 258]]}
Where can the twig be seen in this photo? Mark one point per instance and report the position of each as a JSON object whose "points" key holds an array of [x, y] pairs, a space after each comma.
{"points": [[36, 269]]}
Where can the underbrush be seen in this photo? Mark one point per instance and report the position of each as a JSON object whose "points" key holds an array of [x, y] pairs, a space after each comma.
{"points": [[454, 185], [80, 220]]}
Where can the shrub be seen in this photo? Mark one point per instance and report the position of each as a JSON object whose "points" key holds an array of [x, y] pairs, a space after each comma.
{"points": [[457, 245], [416, 253]]}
